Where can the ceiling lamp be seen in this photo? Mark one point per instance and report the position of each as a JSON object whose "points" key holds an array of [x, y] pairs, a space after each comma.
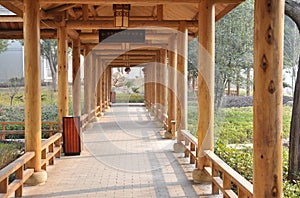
{"points": [[121, 14]]}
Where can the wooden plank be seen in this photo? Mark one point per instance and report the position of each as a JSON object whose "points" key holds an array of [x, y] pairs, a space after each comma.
{"points": [[120, 1], [230, 193], [219, 182], [51, 140], [11, 7], [208, 170]]}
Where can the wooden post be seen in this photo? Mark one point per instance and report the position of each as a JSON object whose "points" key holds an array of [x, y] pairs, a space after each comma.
{"points": [[268, 61], [76, 80], [145, 87], [163, 82], [172, 77], [206, 22], [93, 82], [32, 82], [62, 74], [87, 81], [100, 86], [109, 84], [182, 80], [157, 86]]}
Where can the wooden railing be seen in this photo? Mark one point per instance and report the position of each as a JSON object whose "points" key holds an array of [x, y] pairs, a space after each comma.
{"points": [[223, 177], [4, 131], [22, 175], [51, 148]]}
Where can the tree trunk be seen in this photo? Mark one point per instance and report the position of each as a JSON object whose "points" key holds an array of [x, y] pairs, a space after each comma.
{"points": [[294, 154], [228, 85], [292, 9], [248, 82]]}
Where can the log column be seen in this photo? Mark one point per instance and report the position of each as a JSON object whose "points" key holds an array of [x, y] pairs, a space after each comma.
{"points": [[206, 23], [181, 121], [268, 61], [93, 83], [109, 84], [76, 80], [33, 89], [87, 81], [163, 81], [172, 77], [62, 74], [99, 85]]}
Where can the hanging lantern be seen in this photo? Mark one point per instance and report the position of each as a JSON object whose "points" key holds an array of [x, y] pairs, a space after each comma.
{"points": [[127, 70], [121, 14]]}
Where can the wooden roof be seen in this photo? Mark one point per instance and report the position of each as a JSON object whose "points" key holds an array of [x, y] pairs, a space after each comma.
{"points": [[85, 18]]}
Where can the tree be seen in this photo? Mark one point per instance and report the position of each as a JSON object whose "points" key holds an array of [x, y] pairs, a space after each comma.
{"points": [[292, 9], [49, 52], [3, 45], [193, 63], [234, 48], [14, 87]]}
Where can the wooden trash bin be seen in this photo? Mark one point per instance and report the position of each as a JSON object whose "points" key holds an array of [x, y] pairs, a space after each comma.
{"points": [[71, 135]]}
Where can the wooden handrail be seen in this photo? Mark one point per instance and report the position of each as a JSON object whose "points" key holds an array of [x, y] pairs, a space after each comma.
{"points": [[245, 188], [51, 148], [4, 131], [21, 176]]}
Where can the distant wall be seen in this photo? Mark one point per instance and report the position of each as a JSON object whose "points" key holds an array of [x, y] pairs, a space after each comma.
{"points": [[11, 62]]}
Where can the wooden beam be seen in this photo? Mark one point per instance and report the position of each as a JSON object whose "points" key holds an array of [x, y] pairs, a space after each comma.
{"points": [[121, 1], [18, 34], [228, 1], [11, 7], [32, 83], [61, 8], [92, 10], [85, 12], [73, 34], [10, 19], [160, 12], [225, 11], [92, 24], [268, 66]]}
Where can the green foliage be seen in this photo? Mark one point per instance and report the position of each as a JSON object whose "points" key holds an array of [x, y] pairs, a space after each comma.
{"points": [[3, 45], [9, 152], [129, 98], [135, 89]]}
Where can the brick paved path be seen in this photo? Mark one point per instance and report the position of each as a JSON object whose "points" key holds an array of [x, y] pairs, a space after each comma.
{"points": [[124, 156]]}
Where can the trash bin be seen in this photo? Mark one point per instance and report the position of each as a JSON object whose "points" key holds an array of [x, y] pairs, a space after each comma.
{"points": [[71, 135], [113, 97]]}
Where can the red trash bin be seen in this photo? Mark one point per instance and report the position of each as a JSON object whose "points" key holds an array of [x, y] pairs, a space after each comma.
{"points": [[71, 135]]}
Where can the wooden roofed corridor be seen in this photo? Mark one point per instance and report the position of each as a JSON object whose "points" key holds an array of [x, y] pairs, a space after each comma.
{"points": [[123, 156]]}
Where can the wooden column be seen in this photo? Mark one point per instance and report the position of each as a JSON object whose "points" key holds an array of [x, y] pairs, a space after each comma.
{"points": [[163, 72], [32, 82], [172, 77], [76, 80], [109, 84], [63, 109], [101, 85], [145, 86], [157, 86], [104, 86], [268, 61], [93, 82], [206, 20], [181, 121], [87, 81]]}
